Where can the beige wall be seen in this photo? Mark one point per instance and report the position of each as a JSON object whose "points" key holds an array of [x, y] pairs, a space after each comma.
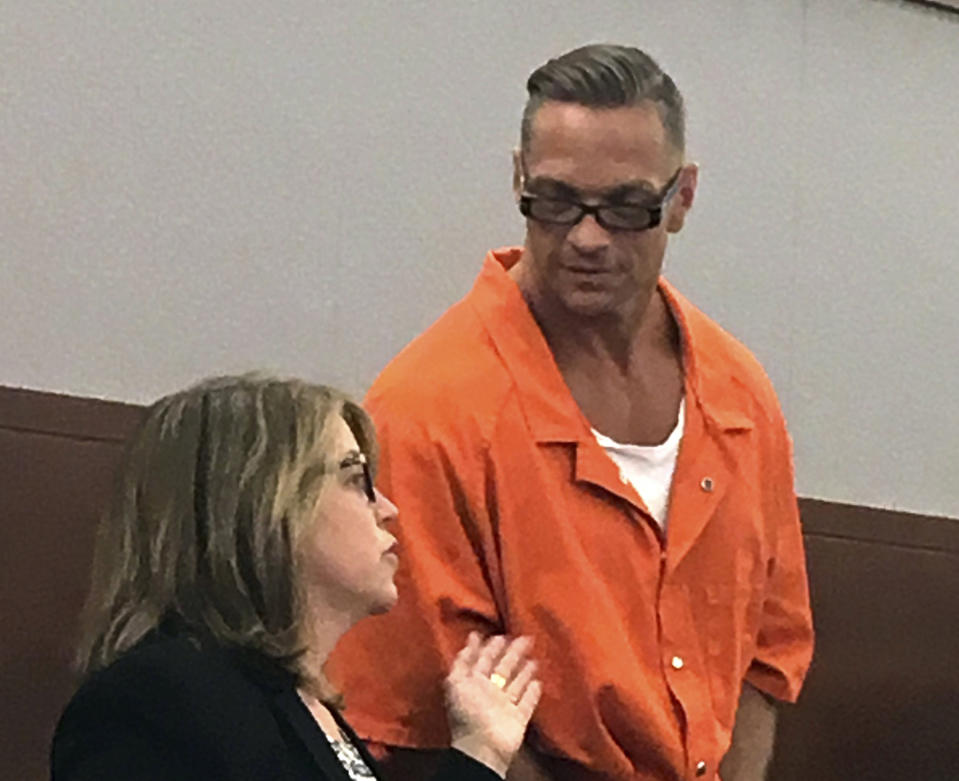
{"points": [[188, 188]]}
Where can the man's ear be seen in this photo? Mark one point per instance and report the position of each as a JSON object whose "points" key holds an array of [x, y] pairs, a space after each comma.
{"points": [[682, 201], [517, 173]]}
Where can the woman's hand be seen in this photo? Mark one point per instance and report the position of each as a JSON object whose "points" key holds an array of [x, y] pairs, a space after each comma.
{"points": [[491, 693]]}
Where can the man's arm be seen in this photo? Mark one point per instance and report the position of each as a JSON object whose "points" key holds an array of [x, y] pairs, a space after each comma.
{"points": [[753, 737], [785, 639], [747, 759], [527, 766], [406, 764], [409, 764]]}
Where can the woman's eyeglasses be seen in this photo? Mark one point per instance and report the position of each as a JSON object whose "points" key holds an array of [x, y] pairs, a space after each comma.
{"points": [[354, 460]]}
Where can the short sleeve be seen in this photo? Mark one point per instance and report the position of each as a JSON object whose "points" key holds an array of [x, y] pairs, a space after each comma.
{"points": [[784, 644]]}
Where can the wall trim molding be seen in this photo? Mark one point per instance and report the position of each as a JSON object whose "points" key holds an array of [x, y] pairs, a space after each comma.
{"points": [[63, 415], [839, 520]]}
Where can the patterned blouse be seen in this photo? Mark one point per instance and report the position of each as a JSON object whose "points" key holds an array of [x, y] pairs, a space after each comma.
{"points": [[350, 758]]}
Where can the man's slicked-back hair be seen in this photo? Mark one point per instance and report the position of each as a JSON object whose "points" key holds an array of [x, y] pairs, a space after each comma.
{"points": [[606, 76]]}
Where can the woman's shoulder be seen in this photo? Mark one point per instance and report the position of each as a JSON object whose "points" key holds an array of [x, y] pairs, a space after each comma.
{"points": [[163, 668], [169, 697]]}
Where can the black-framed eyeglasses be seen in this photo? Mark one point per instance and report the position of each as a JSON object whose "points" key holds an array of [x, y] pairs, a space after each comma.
{"points": [[619, 217], [360, 460]]}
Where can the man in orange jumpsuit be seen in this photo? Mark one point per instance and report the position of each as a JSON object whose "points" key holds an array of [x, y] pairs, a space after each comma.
{"points": [[582, 456]]}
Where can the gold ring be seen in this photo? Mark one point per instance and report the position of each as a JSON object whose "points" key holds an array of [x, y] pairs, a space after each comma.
{"points": [[498, 680]]}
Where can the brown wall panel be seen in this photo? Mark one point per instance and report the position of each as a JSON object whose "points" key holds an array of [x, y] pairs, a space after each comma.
{"points": [[882, 698], [57, 458], [881, 702]]}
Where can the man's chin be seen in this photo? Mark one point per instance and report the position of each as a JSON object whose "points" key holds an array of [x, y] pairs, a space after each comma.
{"points": [[589, 303]]}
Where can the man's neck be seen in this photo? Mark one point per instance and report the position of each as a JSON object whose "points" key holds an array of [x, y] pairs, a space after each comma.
{"points": [[625, 373]]}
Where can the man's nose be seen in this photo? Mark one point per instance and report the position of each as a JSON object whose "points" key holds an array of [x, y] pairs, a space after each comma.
{"points": [[588, 236]]}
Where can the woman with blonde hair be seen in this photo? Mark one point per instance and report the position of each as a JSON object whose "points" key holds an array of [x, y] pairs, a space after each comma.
{"points": [[245, 538]]}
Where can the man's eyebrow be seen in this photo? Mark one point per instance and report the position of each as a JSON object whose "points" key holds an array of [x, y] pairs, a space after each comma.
{"points": [[553, 184], [634, 187]]}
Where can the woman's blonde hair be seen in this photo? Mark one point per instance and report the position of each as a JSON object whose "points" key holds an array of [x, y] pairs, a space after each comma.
{"points": [[210, 497]]}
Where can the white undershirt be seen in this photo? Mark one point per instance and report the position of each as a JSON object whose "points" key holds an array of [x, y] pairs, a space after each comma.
{"points": [[648, 468]]}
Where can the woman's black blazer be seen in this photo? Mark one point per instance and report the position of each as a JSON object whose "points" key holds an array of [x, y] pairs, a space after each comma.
{"points": [[168, 710]]}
